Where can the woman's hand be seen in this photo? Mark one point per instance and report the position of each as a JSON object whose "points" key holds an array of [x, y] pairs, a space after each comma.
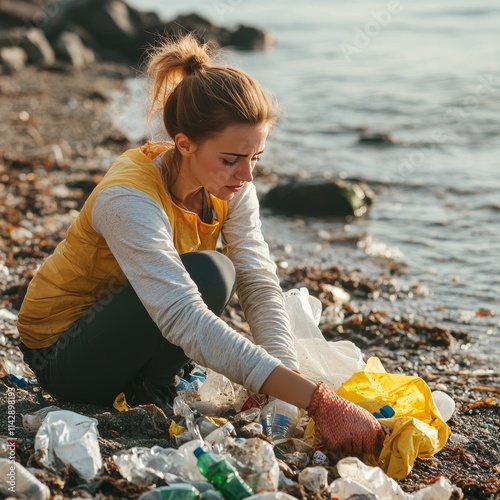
{"points": [[344, 425]]}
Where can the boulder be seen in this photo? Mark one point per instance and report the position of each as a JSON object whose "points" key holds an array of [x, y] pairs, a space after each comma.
{"points": [[13, 58], [372, 138], [16, 13], [243, 37], [335, 197], [112, 29], [250, 38], [33, 42], [115, 26], [201, 27], [69, 47]]}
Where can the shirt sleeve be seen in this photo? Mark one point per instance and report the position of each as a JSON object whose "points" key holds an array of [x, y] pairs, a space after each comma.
{"points": [[257, 283], [139, 235]]}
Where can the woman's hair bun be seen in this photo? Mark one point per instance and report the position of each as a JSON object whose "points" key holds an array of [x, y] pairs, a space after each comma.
{"points": [[194, 64]]}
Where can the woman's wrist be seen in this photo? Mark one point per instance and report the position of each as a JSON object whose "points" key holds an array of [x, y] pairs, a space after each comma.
{"points": [[289, 386]]}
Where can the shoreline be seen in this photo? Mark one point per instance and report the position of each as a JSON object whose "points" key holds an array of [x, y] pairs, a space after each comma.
{"points": [[58, 142]]}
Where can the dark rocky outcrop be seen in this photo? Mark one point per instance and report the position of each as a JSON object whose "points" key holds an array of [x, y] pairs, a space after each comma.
{"points": [[372, 138], [107, 30], [335, 197]]}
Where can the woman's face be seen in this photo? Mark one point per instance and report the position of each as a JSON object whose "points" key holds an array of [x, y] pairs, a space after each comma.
{"points": [[223, 163]]}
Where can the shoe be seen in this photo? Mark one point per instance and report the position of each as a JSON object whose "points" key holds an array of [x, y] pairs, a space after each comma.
{"points": [[143, 392]]}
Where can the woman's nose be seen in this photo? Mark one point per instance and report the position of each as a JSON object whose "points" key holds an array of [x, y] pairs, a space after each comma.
{"points": [[245, 172]]}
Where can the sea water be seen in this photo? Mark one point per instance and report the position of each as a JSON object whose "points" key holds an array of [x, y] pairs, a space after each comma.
{"points": [[426, 72]]}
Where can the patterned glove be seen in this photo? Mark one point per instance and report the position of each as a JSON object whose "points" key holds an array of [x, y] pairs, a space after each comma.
{"points": [[344, 425]]}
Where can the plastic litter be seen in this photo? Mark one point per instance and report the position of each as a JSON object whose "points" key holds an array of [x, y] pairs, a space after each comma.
{"points": [[15, 480], [416, 430], [222, 475], [444, 404], [216, 394], [217, 436], [5, 448], [356, 478], [184, 491], [319, 458], [142, 465], [182, 409], [385, 411], [278, 495], [253, 428], [20, 381], [314, 479], [256, 463], [72, 438], [33, 421], [320, 360], [145, 466], [178, 491], [279, 420]]}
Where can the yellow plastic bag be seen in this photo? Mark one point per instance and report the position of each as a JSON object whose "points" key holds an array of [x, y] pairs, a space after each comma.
{"points": [[417, 429]]}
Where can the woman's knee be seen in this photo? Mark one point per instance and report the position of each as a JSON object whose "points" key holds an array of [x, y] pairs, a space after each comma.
{"points": [[215, 276]]}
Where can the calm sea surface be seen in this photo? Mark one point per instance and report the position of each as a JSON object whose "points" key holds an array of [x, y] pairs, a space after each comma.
{"points": [[426, 72]]}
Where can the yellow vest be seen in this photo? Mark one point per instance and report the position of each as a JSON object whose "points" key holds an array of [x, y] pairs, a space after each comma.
{"points": [[82, 269]]}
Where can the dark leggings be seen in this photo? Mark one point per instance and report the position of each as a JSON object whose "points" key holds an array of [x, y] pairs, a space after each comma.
{"points": [[116, 340]]}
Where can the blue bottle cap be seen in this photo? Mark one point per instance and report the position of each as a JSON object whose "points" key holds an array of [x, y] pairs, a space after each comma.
{"points": [[199, 451], [387, 411]]}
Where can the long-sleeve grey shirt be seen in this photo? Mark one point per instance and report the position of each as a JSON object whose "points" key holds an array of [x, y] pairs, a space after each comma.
{"points": [[139, 234]]}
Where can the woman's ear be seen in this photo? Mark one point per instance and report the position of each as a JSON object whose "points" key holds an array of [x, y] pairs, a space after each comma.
{"points": [[184, 145]]}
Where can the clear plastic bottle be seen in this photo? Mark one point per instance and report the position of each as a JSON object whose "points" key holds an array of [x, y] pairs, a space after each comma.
{"points": [[279, 419], [217, 435], [222, 475], [16, 479]]}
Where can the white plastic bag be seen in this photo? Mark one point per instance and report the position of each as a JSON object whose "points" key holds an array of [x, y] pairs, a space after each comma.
{"points": [[356, 478], [320, 360], [72, 438]]}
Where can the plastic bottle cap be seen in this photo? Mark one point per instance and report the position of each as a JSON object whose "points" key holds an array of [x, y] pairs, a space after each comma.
{"points": [[199, 451]]}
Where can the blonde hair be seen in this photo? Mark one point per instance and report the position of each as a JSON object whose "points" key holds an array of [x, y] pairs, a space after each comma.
{"points": [[200, 98]]}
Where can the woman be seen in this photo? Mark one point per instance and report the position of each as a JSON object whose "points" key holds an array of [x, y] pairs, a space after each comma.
{"points": [[136, 288]]}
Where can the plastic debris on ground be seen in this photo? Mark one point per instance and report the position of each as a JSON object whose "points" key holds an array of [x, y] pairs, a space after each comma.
{"points": [[320, 360], [290, 459], [17, 481], [416, 429], [356, 478], [145, 466], [256, 462], [71, 438], [33, 421], [314, 479]]}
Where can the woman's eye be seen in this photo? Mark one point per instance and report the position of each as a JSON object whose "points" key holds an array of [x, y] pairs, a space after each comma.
{"points": [[257, 159], [229, 163]]}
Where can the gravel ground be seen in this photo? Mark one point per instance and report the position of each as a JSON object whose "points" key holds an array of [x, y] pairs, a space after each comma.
{"points": [[57, 142]]}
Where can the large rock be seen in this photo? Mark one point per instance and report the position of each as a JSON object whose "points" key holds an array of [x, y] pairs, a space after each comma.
{"points": [[201, 27], [116, 26], [13, 58], [69, 47], [320, 197], [16, 13], [242, 37], [33, 42], [111, 28], [250, 38]]}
